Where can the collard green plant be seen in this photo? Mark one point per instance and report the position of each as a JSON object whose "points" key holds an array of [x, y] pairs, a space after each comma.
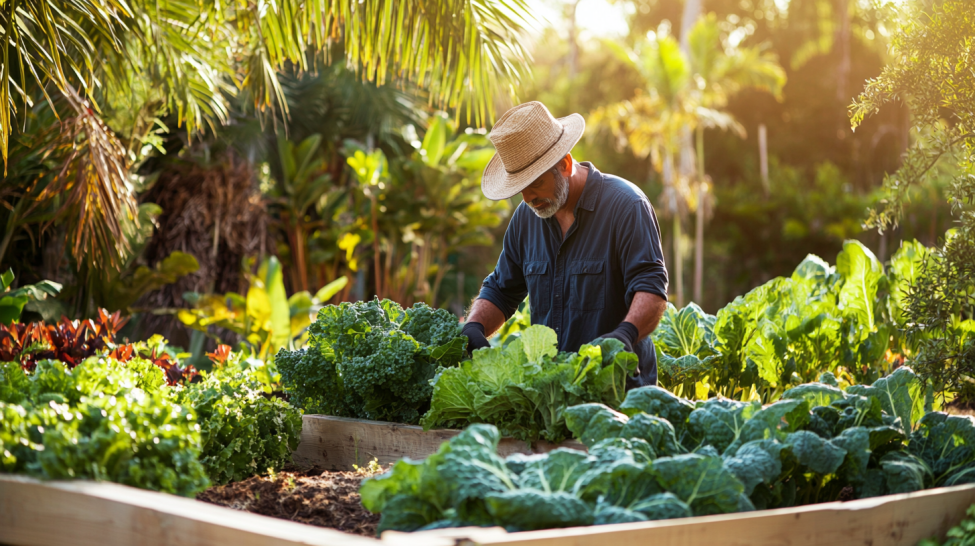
{"points": [[791, 330], [372, 360], [666, 457], [525, 386]]}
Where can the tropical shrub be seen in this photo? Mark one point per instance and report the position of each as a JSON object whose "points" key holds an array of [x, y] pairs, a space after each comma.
{"points": [[666, 457], [13, 300], [265, 318], [372, 360], [931, 72], [525, 386]]}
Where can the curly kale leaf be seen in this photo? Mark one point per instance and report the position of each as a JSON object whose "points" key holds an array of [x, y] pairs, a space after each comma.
{"points": [[243, 433], [372, 360], [429, 326]]}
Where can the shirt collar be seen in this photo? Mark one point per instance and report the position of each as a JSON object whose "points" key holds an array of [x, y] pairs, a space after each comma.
{"points": [[590, 193]]}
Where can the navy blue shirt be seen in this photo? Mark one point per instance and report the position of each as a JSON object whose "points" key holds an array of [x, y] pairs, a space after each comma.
{"points": [[582, 286]]}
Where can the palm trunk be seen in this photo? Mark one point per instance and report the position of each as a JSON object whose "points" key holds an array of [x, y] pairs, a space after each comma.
{"points": [[377, 263], [300, 261], [699, 221], [678, 264], [675, 211]]}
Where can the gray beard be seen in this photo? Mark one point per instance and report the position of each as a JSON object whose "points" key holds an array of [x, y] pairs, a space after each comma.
{"points": [[561, 196]]}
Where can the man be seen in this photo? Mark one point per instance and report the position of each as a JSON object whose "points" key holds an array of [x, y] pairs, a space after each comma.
{"points": [[584, 246]]}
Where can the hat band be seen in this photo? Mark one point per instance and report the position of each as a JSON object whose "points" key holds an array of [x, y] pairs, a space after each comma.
{"points": [[545, 151]]}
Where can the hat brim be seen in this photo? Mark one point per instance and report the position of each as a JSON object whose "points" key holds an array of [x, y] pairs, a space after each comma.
{"points": [[498, 184]]}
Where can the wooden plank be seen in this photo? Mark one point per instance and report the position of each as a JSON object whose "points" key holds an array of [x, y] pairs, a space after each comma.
{"points": [[35, 513], [893, 520], [337, 443]]}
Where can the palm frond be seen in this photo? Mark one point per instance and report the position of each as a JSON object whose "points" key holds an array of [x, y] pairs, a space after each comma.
{"points": [[91, 187]]}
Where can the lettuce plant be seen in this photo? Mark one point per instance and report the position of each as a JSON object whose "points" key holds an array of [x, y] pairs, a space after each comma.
{"points": [[525, 386], [242, 432], [101, 420]]}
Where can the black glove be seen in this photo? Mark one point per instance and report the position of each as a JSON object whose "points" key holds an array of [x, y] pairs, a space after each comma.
{"points": [[625, 332], [475, 336]]}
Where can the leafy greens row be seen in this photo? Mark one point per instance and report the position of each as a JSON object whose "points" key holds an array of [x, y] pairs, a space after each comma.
{"points": [[119, 420], [665, 457], [787, 332], [525, 386]]}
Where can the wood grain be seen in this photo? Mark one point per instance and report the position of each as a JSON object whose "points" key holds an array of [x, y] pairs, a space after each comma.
{"points": [[337, 443], [894, 520], [35, 513]]}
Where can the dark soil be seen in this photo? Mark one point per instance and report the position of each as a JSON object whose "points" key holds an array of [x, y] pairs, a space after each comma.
{"points": [[328, 499], [960, 406]]}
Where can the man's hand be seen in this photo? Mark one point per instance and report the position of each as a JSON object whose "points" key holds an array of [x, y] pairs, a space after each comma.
{"points": [[625, 332], [475, 336]]}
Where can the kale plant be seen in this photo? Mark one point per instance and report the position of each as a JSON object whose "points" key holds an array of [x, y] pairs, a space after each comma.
{"points": [[242, 432], [525, 386], [372, 360]]}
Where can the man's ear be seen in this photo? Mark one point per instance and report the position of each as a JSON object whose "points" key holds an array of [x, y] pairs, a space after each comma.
{"points": [[565, 165]]}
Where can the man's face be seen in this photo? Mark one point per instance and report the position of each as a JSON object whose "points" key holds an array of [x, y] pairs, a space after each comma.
{"points": [[547, 194]]}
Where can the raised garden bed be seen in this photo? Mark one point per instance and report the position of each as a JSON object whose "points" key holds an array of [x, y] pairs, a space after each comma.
{"points": [[338, 443], [34, 513]]}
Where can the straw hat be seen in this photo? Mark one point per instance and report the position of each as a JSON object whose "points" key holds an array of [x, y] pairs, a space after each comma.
{"points": [[529, 142]]}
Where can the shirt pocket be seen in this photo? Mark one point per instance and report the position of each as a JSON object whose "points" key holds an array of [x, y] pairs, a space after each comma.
{"points": [[587, 286], [539, 282]]}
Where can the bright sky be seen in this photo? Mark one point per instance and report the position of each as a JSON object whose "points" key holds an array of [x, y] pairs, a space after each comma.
{"points": [[598, 17]]}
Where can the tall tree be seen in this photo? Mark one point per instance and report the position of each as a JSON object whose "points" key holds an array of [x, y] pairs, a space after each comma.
{"points": [[933, 71], [650, 124], [684, 94], [84, 56], [721, 70]]}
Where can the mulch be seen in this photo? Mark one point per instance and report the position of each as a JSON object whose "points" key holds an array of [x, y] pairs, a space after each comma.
{"points": [[326, 499]]}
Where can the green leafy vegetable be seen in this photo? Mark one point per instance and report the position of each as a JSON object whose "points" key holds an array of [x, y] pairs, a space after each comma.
{"points": [[372, 360], [243, 433], [525, 386], [818, 444], [100, 420]]}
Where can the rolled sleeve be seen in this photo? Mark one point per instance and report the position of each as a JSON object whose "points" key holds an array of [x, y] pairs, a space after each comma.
{"points": [[641, 254], [505, 287]]}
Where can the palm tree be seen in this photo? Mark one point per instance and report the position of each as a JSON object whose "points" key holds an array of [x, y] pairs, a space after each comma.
{"points": [[686, 93], [87, 58], [721, 71], [650, 123]]}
